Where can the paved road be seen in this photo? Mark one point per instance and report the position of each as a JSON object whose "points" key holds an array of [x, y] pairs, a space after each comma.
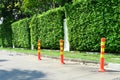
{"points": [[16, 66]]}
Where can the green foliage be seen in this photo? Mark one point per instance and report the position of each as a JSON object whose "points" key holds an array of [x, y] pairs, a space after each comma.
{"points": [[77, 1], [21, 33], [90, 20], [6, 34], [0, 36], [10, 11], [34, 30], [48, 27], [31, 7]]}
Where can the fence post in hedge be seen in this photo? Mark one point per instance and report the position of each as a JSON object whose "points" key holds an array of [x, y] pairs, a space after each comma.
{"points": [[66, 41], [13, 46], [39, 57], [62, 51], [102, 55]]}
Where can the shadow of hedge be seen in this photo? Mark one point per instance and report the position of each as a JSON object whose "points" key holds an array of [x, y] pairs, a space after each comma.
{"points": [[16, 74]]}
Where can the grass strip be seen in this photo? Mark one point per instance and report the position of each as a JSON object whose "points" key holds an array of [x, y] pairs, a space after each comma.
{"points": [[72, 54]]}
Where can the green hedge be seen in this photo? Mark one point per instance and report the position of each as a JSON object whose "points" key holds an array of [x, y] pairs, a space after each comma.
{"points": [[48, 27], [0, 35], [21, 33], [6, 34], [34, 30], [90, 20]]}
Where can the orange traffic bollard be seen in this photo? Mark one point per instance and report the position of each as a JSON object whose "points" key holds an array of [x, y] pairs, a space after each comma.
{"points": [[39, 57], [62, 51], [102, 55]]}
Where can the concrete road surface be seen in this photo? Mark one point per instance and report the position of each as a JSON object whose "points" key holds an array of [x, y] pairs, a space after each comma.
{"points": [[17, 66]]}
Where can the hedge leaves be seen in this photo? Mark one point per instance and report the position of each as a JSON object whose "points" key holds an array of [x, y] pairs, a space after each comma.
{"points": [[21, 34]]}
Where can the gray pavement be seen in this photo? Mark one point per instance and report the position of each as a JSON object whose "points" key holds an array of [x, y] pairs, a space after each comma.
{"points": [[17, 66]]}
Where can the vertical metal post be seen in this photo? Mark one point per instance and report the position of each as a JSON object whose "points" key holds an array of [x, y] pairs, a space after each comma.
{"points": [[102, 55], [62, 51], [39, 57]]}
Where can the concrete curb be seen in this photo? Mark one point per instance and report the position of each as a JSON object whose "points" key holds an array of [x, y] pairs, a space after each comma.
{"points": [[108, 66], [76, 60], [113, 66]]}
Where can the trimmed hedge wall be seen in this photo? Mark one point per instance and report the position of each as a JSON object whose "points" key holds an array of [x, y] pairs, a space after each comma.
{"points": [[90, 20], [6, 34], [21, 33], [34, 30], [48, 27], [0, 35]]}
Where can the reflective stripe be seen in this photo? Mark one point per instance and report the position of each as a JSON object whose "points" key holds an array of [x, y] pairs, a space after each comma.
{"points": [[61, 53], [102, 49], [38, 51], [102, 43], [61, 48], [38, 48], [61, 44], [102, 56], [38, 44]]}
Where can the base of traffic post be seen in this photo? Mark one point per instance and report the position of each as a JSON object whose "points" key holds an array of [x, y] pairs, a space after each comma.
{"points": [[101, 70], [39, 58], [101, 65], [62, 59]]}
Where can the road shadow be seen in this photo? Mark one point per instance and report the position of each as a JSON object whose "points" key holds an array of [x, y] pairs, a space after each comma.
{"points": [[109, 71], [3, 60], [112, 71], [16, 74]]}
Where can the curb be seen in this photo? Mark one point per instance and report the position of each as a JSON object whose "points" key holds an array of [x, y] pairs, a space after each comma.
{"points": [[76, 60], [108, 66], [113, 66]]}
